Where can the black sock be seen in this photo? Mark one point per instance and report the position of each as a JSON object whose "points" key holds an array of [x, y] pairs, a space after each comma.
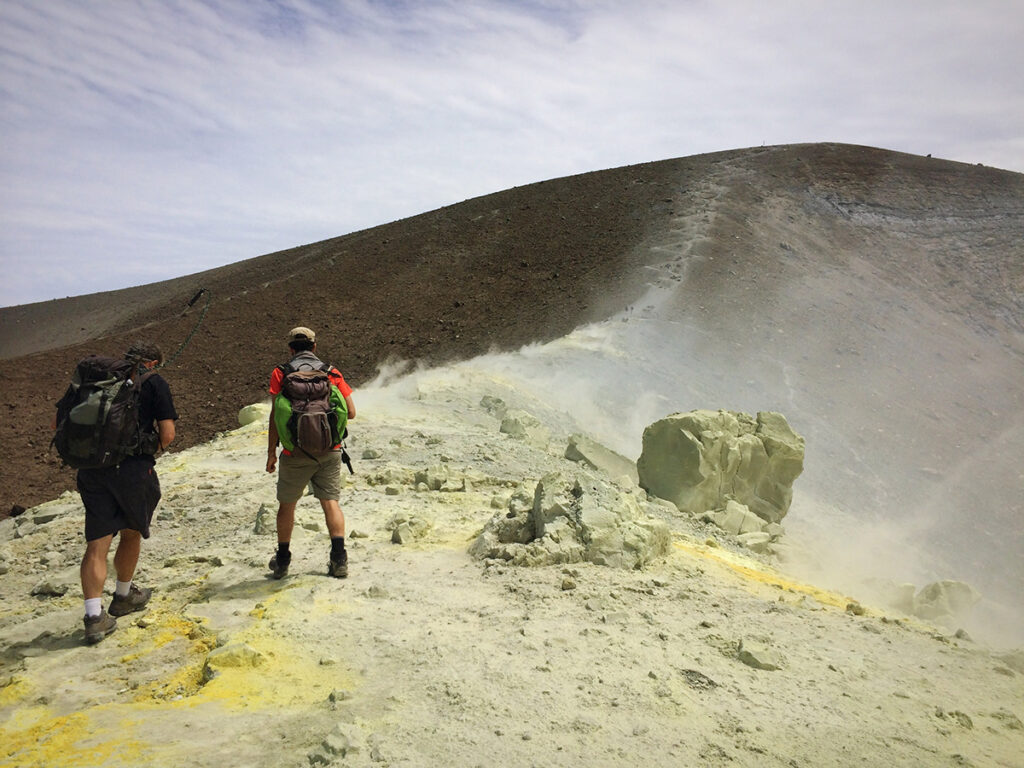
{"points": [[283, 553], [337, 546]]}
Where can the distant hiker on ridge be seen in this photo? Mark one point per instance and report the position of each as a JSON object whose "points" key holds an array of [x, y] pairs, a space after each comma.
{"points": [[113, 419], [312, 404]]}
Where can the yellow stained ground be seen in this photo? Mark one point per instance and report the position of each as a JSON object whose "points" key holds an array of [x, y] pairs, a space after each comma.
{"points": [[754, 574], [112, 732]]}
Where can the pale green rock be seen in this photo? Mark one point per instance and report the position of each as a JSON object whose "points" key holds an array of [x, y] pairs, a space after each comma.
{"points": [[759, 655], [572, 520], [524, 426], [346, 739], [402, 534], [945, 600], [755, 541], [736, 518], [700, 459], [408, 527], [591, 453], [233, 655], [266, 521], [434, 478], [441, 478], [50, 588], [257, 412], [494, 405]]}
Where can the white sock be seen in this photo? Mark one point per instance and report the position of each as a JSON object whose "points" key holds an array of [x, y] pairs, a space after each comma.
{"points": [[122, 588], [93, 606]]}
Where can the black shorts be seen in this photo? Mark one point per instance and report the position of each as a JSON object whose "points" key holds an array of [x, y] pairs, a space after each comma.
{"points": [[119, 497]]}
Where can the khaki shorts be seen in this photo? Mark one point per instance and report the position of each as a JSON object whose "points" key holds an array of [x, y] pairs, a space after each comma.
{"points": [[295, 472]]}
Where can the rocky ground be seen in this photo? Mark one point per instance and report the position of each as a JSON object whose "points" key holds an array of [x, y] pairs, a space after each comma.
{"points": [[707, 655]]}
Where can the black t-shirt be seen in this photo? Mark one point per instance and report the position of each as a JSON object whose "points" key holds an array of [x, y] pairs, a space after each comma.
{"points": [[155, 404]]}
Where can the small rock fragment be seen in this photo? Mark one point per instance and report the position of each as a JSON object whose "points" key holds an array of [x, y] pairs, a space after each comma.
{"points": [[757, 654], [48, 588]]}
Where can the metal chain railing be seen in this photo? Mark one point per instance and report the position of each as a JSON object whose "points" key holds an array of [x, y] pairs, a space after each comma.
{"points": [[195, 328]]}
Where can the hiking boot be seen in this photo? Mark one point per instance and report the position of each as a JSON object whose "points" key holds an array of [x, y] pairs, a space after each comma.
{"points": [[135, 600], [338, 568], [279, 566], [98, 627]]}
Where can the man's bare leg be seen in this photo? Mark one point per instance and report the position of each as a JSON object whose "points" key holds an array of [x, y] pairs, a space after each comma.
{"points": [[93, 571], [93, 574], [285, 522], [126, 557], [334, 517]]}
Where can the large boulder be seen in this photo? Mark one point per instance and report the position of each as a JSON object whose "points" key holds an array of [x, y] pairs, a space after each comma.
{"points": [[701, 459], [569, 520], [945, 601]]}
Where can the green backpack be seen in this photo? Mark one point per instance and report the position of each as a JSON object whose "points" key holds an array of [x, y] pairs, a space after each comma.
{"points": [[98, 417]]}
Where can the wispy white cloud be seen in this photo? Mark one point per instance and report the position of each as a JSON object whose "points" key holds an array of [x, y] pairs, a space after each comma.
{"points": [[177, 136]]}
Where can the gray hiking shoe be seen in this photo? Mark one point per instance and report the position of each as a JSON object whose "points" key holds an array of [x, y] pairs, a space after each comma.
{"points": [[98, 627], [135, 600], [279, 567], [338, 568]]}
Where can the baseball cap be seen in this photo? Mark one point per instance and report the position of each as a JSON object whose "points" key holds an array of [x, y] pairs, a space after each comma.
{"points": [[301, 334]]}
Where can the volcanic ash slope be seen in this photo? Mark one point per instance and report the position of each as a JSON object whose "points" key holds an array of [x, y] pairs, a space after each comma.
{"points": [[706, 655]]}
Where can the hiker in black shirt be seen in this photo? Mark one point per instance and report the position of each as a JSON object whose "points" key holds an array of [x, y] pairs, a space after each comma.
{"points": [[120, 500]]}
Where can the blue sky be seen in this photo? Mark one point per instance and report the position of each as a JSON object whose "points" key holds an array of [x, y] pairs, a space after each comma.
{"points": [[147, 140]]}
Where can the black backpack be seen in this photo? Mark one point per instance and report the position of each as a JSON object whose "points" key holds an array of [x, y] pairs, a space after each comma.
{"points": [[98, 417]]}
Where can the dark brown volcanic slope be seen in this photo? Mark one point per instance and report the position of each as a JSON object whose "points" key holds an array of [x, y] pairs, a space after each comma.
{"points": [[528, 264], [493, 272]]}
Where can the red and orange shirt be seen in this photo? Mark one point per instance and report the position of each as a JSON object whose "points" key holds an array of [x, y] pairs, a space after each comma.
{"points": [[276, 377]]}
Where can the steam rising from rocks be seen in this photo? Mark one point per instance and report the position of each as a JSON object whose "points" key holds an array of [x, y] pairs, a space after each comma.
{"points": [[615, 378]]}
